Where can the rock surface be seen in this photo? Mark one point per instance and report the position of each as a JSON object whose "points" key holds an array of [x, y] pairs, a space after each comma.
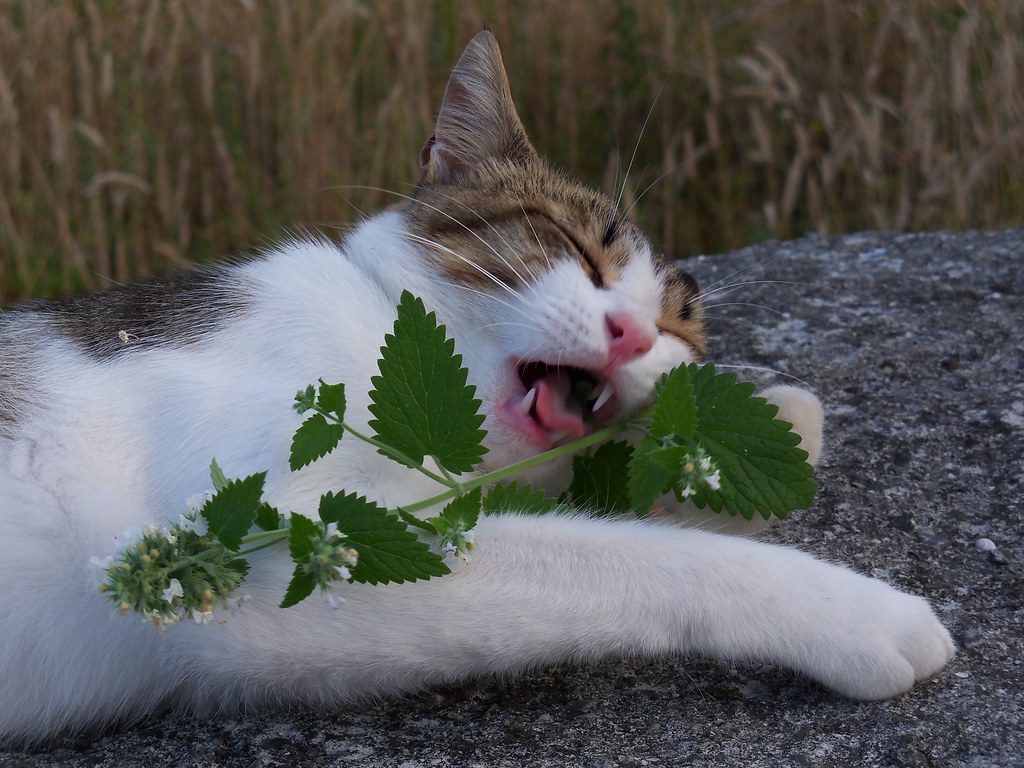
{"points": [[914, 343]]}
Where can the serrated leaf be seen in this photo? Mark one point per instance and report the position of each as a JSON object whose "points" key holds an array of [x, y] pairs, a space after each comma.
{"points": [[331, 398], [314, 439], [653, 469], [268, 518], [299, 588], [518, 499], [599, 481], [421, 402], [762, 469], [301, 534], [232, 511], [388, 550], [416, 522], [675, 412], [459, 515], [217, 476]]}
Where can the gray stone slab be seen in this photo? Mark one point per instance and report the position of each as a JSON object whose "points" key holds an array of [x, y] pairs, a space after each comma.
{"points": [[914, 343]]}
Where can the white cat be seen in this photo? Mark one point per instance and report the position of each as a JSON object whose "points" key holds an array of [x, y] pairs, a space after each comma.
{"points": [[525, 268]]}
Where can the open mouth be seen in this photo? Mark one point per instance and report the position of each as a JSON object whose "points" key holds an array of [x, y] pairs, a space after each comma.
{"points": [[559, 402]]}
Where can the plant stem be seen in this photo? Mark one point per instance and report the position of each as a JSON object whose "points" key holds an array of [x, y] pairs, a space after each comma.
{"points": [[521, 466], [388, 449]]}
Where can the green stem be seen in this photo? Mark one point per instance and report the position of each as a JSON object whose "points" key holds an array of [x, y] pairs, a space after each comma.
{"points": [[498, 475], [268, 536], [388, 449]]}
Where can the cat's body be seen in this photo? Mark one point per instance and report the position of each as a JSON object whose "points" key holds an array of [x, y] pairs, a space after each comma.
{"points": [[101, 431]]}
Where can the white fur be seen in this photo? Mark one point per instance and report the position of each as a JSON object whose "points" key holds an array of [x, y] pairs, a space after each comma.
{"points": [[113, 444]]}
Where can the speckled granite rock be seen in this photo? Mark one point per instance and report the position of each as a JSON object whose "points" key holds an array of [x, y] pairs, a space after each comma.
{"points": [[914, 342]]}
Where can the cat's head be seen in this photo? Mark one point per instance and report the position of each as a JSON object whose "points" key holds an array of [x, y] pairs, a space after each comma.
{"points": [[563, 312]]}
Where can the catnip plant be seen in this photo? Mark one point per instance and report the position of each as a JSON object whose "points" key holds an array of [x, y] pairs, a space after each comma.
{"points": [[707, 439]]}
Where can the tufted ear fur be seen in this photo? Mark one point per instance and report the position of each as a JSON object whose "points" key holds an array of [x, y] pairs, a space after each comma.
{"points": [[477, 123]]}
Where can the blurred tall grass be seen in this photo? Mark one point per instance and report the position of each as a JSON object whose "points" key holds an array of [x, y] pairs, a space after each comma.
{"points": [[139, 135]]}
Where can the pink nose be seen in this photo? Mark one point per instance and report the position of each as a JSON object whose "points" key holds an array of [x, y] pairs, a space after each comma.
{"points": [[628, 339]]}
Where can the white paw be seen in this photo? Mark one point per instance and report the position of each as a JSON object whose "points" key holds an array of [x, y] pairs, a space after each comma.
{"points": [[803, 410], [879, 643]]}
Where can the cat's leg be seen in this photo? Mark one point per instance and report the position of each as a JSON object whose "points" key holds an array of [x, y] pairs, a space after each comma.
{"points": [[801, 409], [542, 590]]}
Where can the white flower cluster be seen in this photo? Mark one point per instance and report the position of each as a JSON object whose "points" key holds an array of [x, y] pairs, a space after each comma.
{"points": [[698, 469], [168, 574], [458, 550]]}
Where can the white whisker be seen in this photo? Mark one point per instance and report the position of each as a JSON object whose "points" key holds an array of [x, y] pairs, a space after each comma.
{"points": [[734, 286], [495, 230], [535, 235], [643, 129], [764, 369], [447, 215], [451, 252], [744, 304]]}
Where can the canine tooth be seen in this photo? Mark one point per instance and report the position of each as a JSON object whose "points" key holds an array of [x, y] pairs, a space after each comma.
{"points": [[605, 393], [527, 402], [554, 437]]}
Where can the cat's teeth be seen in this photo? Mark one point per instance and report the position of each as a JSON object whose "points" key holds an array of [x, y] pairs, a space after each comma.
{"points": [[603, 396], [554, 437], [527, 402]]}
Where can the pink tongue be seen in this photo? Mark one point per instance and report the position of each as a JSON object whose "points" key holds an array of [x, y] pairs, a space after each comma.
{"points": [[554, 411]]}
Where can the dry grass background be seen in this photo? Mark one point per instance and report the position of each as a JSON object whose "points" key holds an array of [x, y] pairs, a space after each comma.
{"points": [[137, 135]]}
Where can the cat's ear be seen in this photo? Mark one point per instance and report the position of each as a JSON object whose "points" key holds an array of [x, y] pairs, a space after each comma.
{"points": [[477, 122]]}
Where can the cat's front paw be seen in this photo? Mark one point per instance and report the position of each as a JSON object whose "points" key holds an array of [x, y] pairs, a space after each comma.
{"points": [[803, 410], [881, 645]]}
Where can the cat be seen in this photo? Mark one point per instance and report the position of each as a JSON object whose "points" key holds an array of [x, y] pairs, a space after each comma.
{"points": [[112, 405]]}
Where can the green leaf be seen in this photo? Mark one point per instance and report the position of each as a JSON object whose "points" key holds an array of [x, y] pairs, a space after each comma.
{"points": [[416, 522], [331, 398], [599, 482], [675, 413], [653, 469], [301, 534], [517, 499], [459, 515], [421, 402], [268, 518], [304, 399], [232, 511], [299, 588], [388, 550], [217, 476], [762, 469], [314, 439]]}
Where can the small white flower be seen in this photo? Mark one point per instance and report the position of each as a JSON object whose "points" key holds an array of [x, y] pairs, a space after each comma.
{"points": [[331, 531], [333, 601], [343, 572], [197, 501], [201, 617], [173, 591], [234, 603], [194, 522], [129, 535], [714, 480]]}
